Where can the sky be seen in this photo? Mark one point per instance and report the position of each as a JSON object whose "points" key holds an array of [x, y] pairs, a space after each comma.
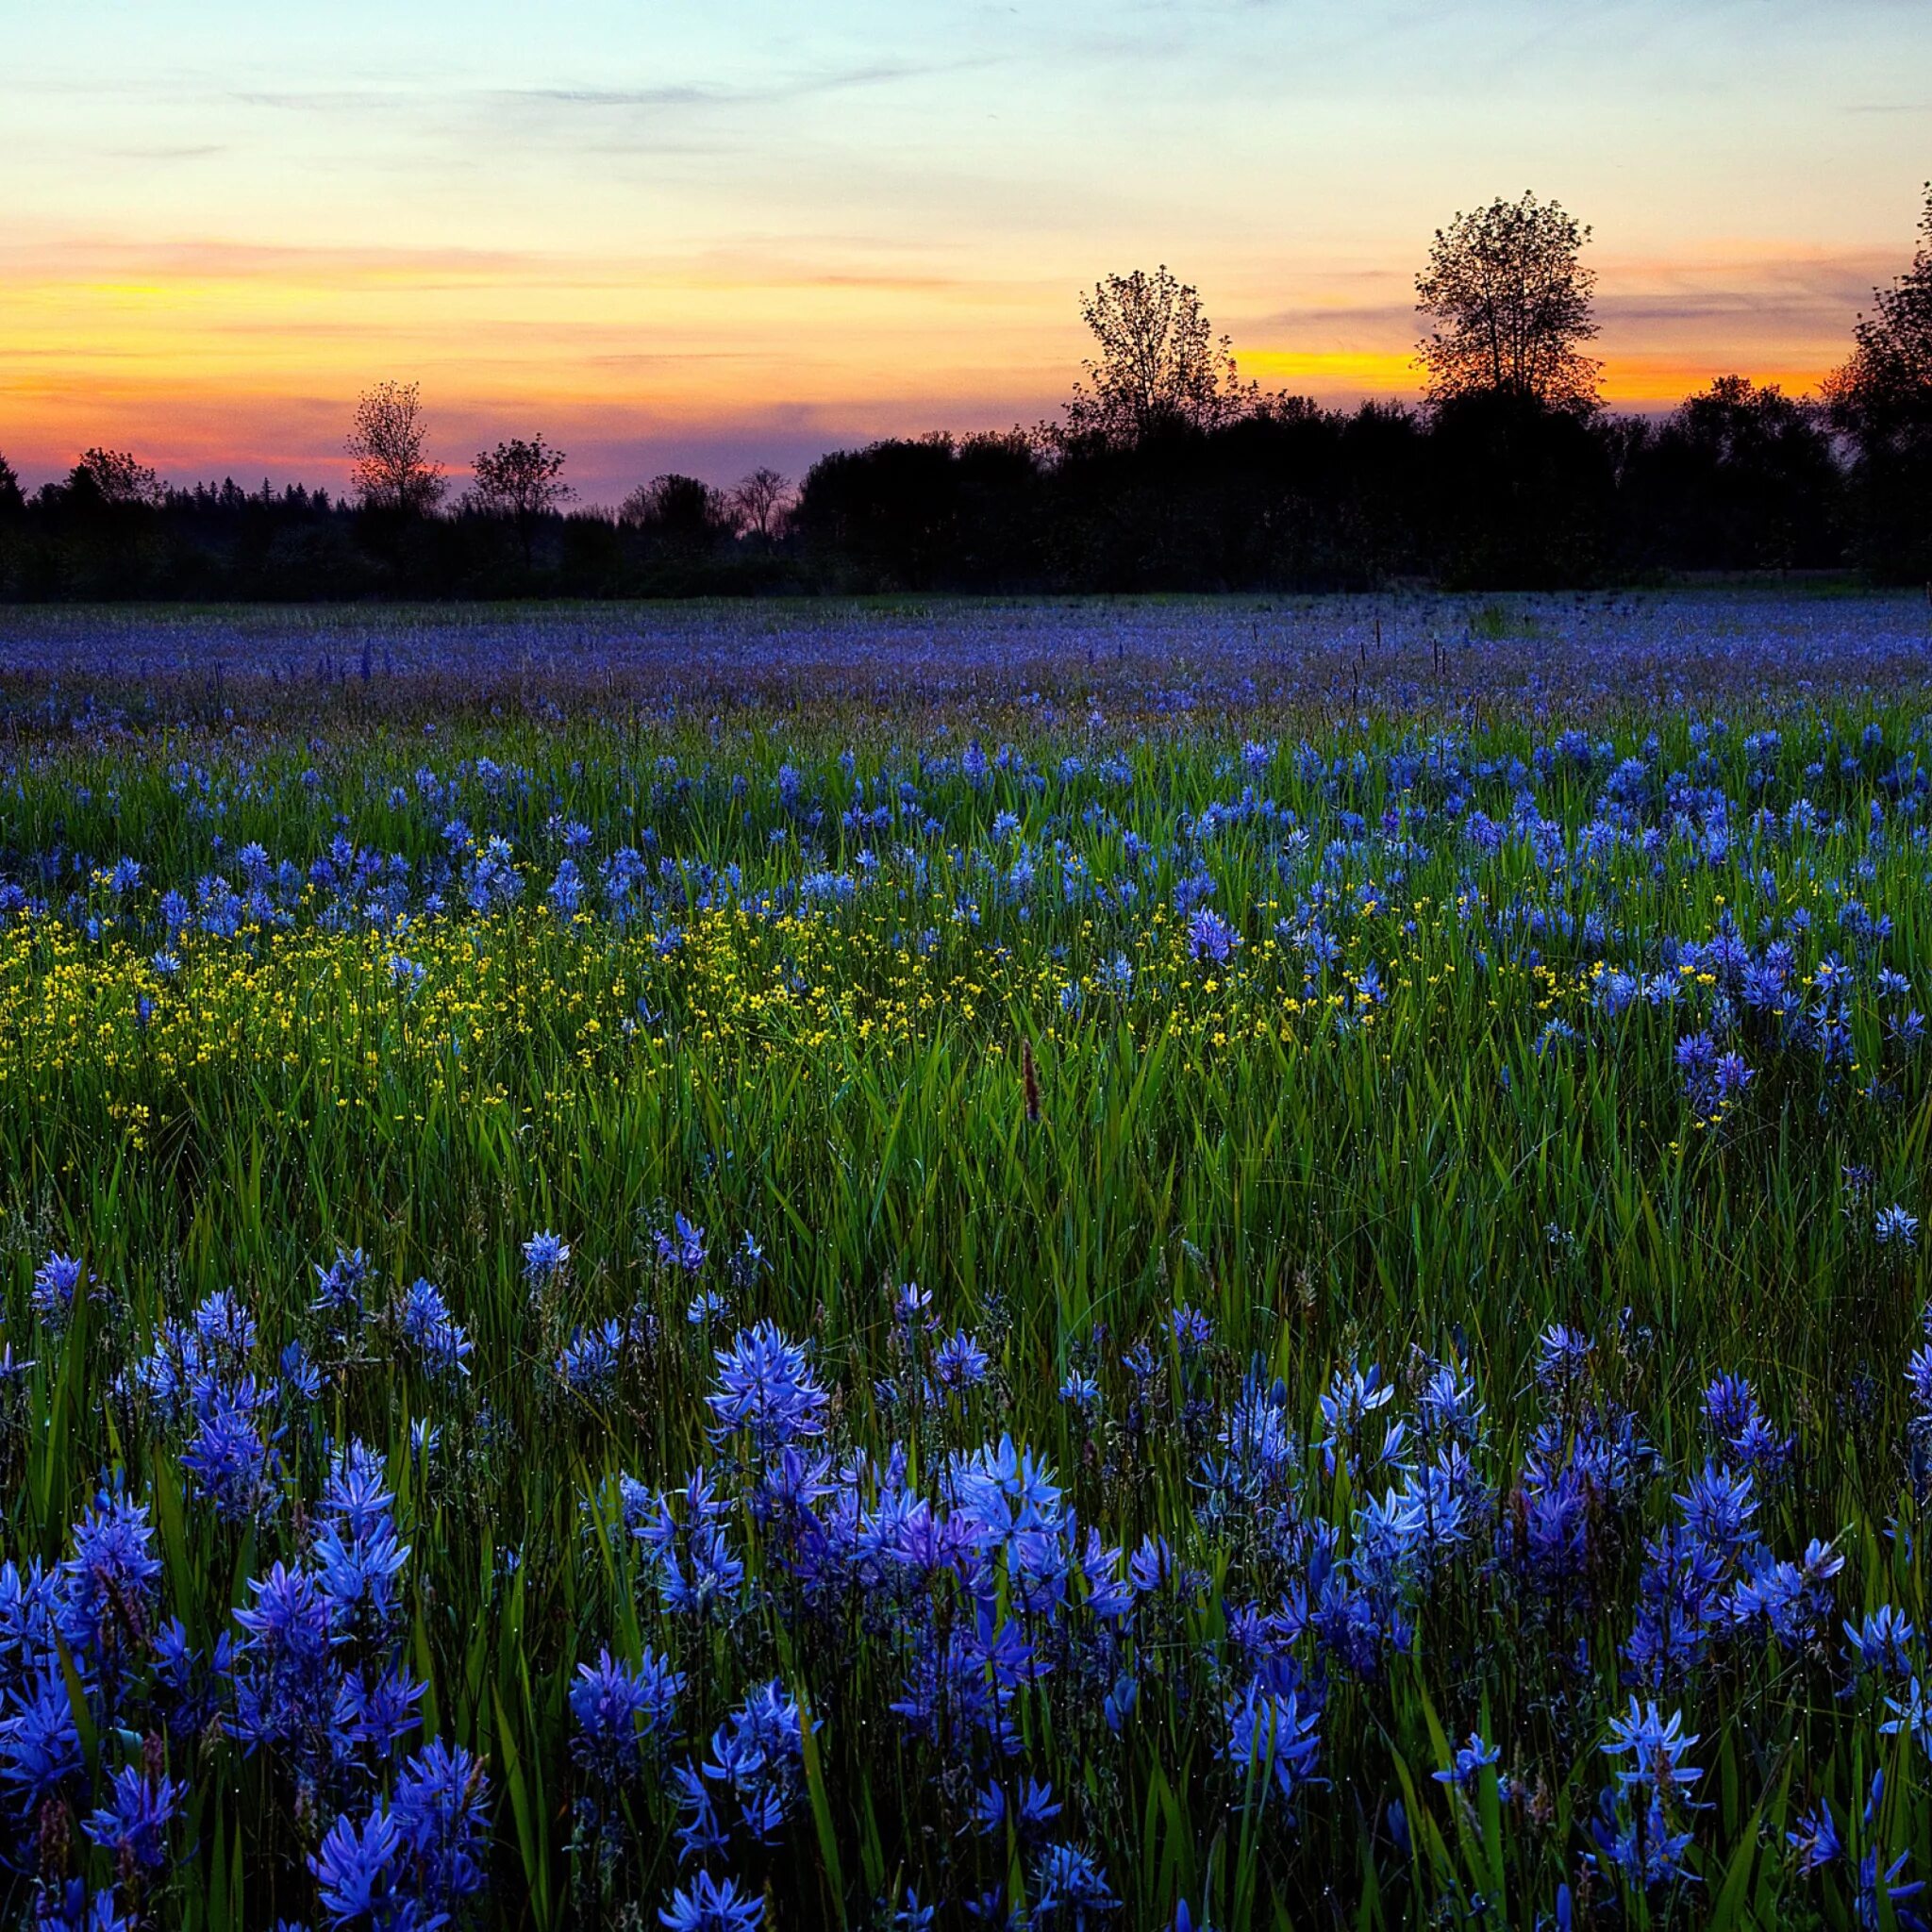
{"points": [[702, 237]]}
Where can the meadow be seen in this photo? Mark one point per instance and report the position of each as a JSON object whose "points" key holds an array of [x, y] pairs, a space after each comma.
{"points": [[1233, 1263]]}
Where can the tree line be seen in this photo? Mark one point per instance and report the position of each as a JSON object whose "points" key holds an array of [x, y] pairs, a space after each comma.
{"points": [[1165, 470]]}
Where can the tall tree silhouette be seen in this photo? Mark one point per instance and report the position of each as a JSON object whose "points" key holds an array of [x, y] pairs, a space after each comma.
{"points": [[391, 472], [1159, 367], [1882, 400], [522, 481], [1885, 387], [1510, 304]]}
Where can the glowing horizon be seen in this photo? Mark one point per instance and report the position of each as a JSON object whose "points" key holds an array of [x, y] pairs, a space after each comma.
{"points": [[665, 251]]}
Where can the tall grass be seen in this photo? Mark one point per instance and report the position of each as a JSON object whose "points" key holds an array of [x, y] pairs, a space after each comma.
{"points": [[1437, 1163]]}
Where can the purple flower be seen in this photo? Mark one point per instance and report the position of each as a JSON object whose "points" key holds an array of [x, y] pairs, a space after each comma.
{"points": [[1210, 937], [682, 1247]]}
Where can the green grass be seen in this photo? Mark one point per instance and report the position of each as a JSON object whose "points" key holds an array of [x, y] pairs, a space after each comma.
{"points": [[1444, 1179]]}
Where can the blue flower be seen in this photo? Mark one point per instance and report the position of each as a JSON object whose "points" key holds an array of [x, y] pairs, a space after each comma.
{"points": [[57, 1281], [1815, 1843], [424, 1321], [765, 1390], [1654, 1747], [339, 1287], [711, 1904], [441, 1808], [615, 1709], [1271, 1741], [1470, 1759], [959, 1364], [1070, 1889], [355, 1869], [546, 1255], [133, 1826], [1895, 1890], [1894, 1227], [40, 1747], [107, 1586], [588, 1364], [231, 1460]]}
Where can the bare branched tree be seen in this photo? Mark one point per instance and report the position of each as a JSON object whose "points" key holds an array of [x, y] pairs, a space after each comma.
{"points": [[1510, 304], [761, 503], [391, 473], [522, 481], [1160, 366]]}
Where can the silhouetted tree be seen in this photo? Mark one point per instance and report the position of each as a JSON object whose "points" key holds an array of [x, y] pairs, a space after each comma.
{"points": [[681, 513], [929, 512], [522, 481], [1743, 477], [1882, 399], [113, 479], [391, 473], [1510, 304], [1520, 496], [760, 501], [12, 500], [1159, 367]]}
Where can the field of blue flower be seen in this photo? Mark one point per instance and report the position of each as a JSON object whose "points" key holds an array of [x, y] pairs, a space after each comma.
{"points": [[1093, 1266]]}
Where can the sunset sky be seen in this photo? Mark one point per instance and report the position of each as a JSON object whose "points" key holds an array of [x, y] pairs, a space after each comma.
{"points": [[700, 237]]}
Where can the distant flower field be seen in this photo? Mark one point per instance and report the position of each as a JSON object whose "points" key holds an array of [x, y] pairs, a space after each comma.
{"points": [[964, 1278]]}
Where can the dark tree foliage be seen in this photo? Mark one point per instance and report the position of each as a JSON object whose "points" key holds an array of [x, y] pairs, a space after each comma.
{"points": [[926, 513], [1881, 399], [1741, 477], [111, 479], [1168, 474], [680, 514], [1521, 493], [520, 481], [1510, 299]]}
